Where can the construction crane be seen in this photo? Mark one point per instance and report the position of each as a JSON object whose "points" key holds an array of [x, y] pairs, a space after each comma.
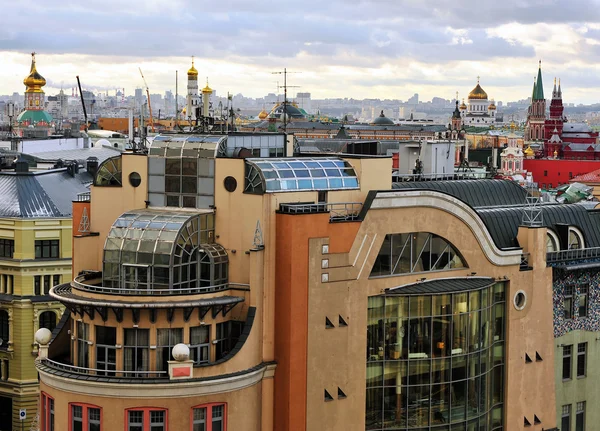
{"points": [[149, 105], [82, 104]]}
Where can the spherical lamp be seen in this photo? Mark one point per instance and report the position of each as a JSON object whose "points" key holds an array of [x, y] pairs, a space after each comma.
{"points": [[181, 352], [43, 336]]}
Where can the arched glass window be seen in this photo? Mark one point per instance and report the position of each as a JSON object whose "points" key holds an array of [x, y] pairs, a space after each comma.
{"points": [[575, 239], [213, 265], [4, 329], [109, 173], [552, 242], [48, 320], [403, 253]]}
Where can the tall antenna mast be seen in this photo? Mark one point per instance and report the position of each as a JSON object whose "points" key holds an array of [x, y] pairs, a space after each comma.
{"points": [[285, 87], [176, 97]]}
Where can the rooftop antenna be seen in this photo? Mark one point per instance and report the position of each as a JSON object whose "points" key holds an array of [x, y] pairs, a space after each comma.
{"points": [[285, 87]]}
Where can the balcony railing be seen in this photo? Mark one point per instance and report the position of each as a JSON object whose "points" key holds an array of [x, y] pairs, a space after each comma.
{"points": [[338, 211], [525, 262], [83, 197], [571, 255], [107, 374], [93, 283]]}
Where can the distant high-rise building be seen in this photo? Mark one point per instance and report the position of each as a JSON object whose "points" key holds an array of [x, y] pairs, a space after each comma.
{"points": [[304, 101], [414, 100], [139, 97]]}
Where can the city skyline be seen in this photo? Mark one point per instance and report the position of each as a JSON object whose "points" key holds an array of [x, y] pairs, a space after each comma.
{"points": [[374, 49]]}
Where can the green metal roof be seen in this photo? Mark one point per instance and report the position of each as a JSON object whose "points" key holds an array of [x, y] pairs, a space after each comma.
{"points": [[34, 116], [539, 86]]}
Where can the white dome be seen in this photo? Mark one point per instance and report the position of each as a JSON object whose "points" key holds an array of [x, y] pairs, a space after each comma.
{"points": [[102, 143], [43, 336], [181, 352]]}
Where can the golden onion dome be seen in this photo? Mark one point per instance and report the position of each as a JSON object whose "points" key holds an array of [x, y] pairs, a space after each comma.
{"points": [[34, 81], [492, 106], [477, 93], [192, 73], [529, 152], [462, 105], [207, 89], [263, 114]]}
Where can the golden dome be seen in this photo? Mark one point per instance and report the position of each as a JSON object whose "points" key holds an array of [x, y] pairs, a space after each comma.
{"points": [[492, 105], [529, 152], [34, 81], [263, 114], [207, 89], [462, 105], [192, 73], [477, 93]]}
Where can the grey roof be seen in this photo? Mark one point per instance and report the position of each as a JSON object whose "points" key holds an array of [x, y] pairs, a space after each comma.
{"points": [[102, 153], [443, 285], [503, 223], [44, 194], [476, 193], [576, 128]]}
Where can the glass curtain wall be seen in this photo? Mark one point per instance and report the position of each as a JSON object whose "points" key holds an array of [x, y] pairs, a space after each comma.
{"points": [[436, 361]]}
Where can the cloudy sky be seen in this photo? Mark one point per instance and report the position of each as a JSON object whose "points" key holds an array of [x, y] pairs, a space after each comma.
{"points": [[344, 48]]}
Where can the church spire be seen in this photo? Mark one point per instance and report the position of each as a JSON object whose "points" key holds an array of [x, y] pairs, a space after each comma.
{"points": [[554, 92], [539, 86], [559, 90]]}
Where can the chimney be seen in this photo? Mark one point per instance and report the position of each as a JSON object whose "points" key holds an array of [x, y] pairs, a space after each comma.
{"points": [[21, 165], [92, 165]]}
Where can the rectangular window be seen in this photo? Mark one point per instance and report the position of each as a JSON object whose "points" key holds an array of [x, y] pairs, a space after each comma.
{"points": [[106, 352], [228, 334], [200, 344], [209, 417], [82, 344], [76, 418], [566, 372], [47, 285], [545, 173], [581, 359], [7, 248], [37, 285], [583, 300], [47, 414], [147, 419], [136, 349], [55, 280], [580, 416], [166, 339], [47, 249], [568, 302], [566, 418]]}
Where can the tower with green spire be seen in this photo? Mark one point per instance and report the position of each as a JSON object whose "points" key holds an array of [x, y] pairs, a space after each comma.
{"points": [[536, 114]]}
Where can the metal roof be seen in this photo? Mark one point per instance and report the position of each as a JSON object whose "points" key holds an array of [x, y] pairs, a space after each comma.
{"points": [[40, 194], [81, 154], [442, 285], [476, 193]]}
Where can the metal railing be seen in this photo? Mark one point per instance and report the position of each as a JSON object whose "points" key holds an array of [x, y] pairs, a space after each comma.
{"points": [[400, 177], [109, 374], [575, 254], [79, 283], [525, 264], [83, 197], [338, 211]]}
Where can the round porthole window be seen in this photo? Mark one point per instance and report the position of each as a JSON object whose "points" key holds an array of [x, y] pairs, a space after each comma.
{"points": [[520, 300], [230, 184], [135, 179]]}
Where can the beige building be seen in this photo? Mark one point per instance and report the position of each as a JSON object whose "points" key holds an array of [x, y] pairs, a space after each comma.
{"points": [[272, 292]]}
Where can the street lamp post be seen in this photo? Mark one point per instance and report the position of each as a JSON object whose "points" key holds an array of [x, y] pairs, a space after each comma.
{"points": [[11, 113]]}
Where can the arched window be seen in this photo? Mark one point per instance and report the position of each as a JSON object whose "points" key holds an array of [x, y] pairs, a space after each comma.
{"points": [[575, 239], [48, 320], [4, 329], [416, 252], [552, 242], [109, 173]]}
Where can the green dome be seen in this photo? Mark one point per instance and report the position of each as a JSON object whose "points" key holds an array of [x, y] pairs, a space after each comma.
{"points": [[34, 117]]}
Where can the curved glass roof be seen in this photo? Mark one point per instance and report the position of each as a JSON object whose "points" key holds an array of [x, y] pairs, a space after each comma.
{"points": [[205, 146], [299, 174], [109, 173]]}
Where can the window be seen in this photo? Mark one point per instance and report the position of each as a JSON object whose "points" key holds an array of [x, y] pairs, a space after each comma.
{"points": [[552, 242], [85, 417], [37, 285], [7, 248], [568, 302], [228, 334], [566, 418], [47, 416], [55, 280], [147, 419], [210, 417], [4, 329], [48, 320], [136, 348], [545, 173], [575, 239], [47, 284], [566, 373], [46, 249], [200, 344], [82, 344], [580, 416], [106, 352], [581, 359], [166, 339], [583, 300], [415, 252]]}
